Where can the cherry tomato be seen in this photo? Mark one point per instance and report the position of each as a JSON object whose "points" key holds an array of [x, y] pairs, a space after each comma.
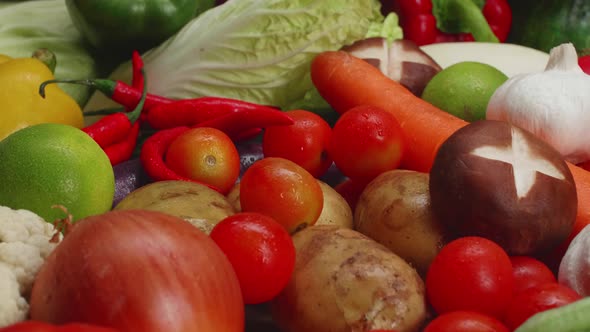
{"points": [[33, 326], [305, 142], [465, 321], [536, 299], [261, 252], [529, 272], [282, 190], [207, 155], [366, 141], [470, 273]]}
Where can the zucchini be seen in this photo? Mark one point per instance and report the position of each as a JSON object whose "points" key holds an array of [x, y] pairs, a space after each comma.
{"points": [[511, 59], [572, 317], [544, 24]]}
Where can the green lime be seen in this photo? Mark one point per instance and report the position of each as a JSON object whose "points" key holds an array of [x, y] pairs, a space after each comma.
{"points": [[464, 89], [55, 164]]}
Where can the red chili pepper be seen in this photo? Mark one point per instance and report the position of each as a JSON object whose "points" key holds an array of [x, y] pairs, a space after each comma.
{"points": [[247, 134], [123, 150], [137, 65], [152, 155], [418, 19], [584, 63], [111, 128], [240, 121], [189, 112]]}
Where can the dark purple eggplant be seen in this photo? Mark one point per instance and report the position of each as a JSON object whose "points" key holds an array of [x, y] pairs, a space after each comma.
{"points": [[333, 176], [259, 318], [129, 175], [250, 152]]}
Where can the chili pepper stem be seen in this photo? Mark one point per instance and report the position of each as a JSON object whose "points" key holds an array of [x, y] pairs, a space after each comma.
{"points": [[103, 85], [134, 115]]}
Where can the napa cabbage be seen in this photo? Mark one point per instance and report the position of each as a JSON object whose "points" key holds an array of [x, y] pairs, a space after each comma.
{"points": [[254, 50]]}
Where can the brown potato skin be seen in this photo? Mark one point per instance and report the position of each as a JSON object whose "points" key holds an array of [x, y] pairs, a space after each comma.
{"points": [[394, 210], [198, 204], [233, 197], [346, 282], [336, 210]]}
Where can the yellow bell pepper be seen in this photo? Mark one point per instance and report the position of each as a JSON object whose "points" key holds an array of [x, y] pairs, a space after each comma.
{"points": [[20, 103]]}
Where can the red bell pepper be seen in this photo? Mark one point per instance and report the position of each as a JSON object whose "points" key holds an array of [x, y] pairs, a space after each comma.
{"points": [[584, 63], [434, 21]]}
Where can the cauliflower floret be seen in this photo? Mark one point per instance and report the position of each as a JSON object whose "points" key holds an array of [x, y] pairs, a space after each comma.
{"points": [[25, 243], [13, 307]]}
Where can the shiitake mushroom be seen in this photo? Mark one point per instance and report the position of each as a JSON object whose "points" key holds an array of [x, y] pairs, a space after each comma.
{"points": [[496, 180]]}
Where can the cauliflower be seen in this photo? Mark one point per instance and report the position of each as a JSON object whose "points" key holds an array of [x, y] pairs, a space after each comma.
{"points": [[25, 243]]}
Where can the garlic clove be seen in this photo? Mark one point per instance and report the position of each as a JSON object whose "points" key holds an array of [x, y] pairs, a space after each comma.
{"points": [[553, 104]]}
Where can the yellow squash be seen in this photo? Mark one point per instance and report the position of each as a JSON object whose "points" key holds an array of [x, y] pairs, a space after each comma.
{"points": [[20, 102]]}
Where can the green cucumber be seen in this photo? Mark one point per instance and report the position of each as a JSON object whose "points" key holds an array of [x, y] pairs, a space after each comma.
{"points": [[573, 317]]}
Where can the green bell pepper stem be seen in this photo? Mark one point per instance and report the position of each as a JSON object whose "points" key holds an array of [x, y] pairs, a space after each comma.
{"points": [[456, 16]]}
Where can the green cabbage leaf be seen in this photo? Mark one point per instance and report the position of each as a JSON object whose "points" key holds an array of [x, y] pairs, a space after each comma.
{"points": [[258, 51], [30, 25]]}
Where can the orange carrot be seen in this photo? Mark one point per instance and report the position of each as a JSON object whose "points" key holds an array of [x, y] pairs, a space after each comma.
{"points": [[346, 81], [582, 180]]}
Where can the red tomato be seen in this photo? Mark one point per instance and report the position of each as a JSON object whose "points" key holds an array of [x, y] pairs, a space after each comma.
{"points": [[465, 321], [207, 155], [529, 272], [470, 273], [282, 190], [536, 299], [261, 252], [366, 141], [33, 326], [305, 142], [585, 165]]}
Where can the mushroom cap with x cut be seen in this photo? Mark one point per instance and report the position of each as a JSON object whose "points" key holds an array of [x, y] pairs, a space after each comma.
{"points": [[499, 181]]}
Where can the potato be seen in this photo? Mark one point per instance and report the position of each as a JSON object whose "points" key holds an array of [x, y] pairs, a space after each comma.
{"points": [[344, 281], [335, 211], [233, 197], [394, 210], [198, 204]]}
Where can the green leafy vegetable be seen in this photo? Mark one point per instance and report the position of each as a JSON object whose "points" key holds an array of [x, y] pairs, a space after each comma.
{"points": [[258, 51], [389, 28], [30, 25]]}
